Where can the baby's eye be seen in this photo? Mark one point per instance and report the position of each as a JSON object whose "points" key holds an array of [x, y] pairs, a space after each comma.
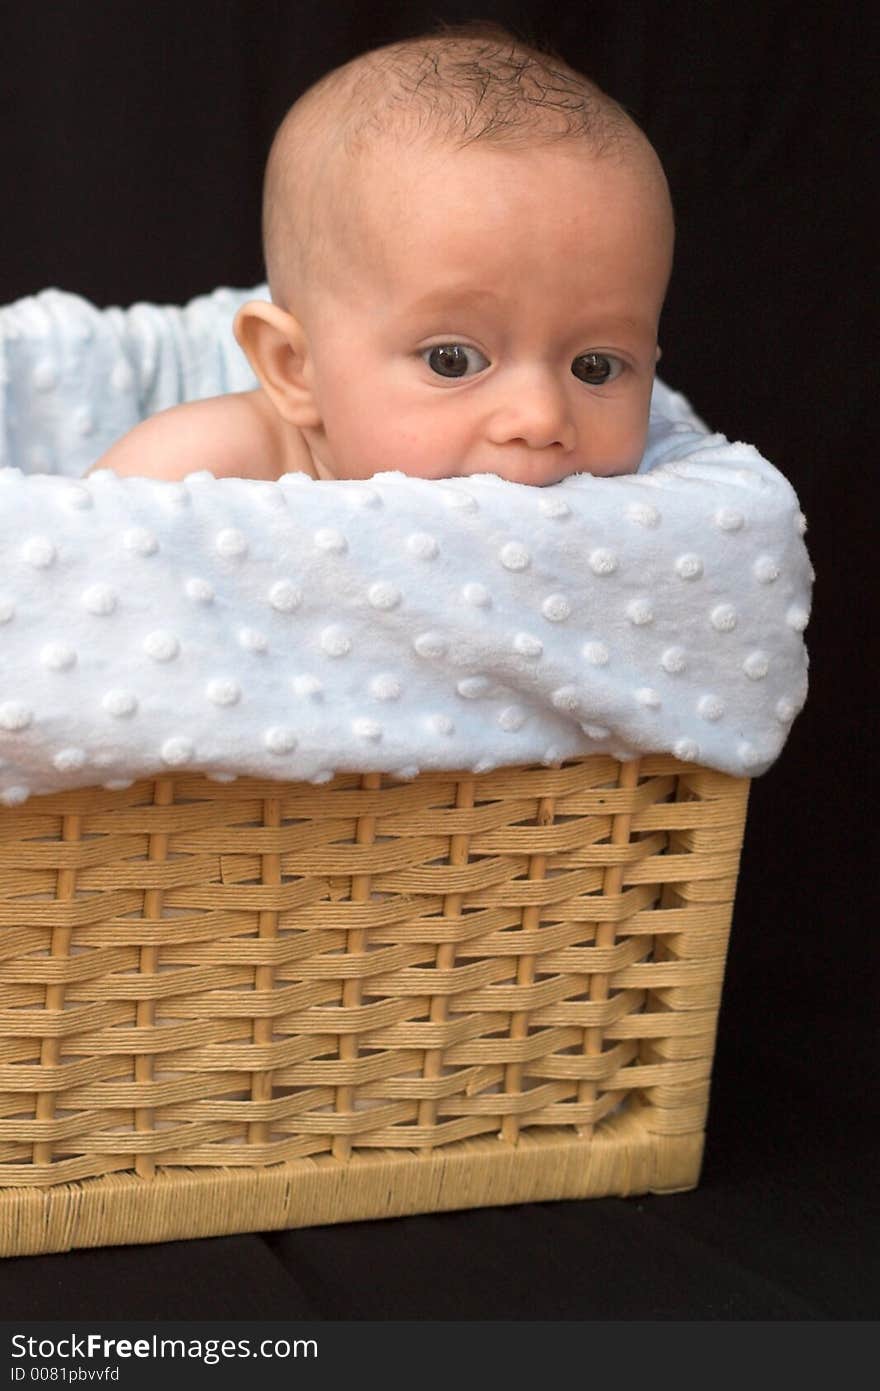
{"points": [[454, 360], [596, 368]]}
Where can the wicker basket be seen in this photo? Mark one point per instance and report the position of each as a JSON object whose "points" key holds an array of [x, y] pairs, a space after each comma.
{"points": [[236, 1007]]}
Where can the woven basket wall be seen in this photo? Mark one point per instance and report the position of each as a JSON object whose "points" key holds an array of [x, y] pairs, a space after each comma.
{"points": [[253, 1005]]}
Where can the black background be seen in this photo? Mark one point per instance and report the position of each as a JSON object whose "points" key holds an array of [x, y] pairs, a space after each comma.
{"points": [[132, 144]]}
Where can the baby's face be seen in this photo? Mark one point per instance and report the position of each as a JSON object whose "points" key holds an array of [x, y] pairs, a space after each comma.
{"points": [[494, 312]]}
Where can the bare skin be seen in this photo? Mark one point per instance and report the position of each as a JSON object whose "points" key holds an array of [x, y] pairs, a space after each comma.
{"points": [[539, 274], [239, 435]]}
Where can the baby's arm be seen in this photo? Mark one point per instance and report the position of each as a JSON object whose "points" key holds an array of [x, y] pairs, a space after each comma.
{"points": [[231, 436]]}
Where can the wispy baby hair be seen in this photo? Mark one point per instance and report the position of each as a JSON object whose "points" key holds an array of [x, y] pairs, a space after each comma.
{"points": [[477, 81]]}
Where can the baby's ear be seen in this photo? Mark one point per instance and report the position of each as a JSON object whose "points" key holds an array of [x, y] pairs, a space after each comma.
{"points": [[275, 345]]}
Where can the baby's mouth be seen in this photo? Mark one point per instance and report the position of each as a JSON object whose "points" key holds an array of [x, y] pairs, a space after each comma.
{"points": [[530, 473]]}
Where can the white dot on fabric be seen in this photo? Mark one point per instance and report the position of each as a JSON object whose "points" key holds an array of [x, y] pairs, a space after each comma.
{"points": [[140, 541], [748, 755], [77, 496], [688, 750], [383, 595], [307, 685], [252, 640], [222, 690], [365, 497], [512, 718], [556, 608], [177, 751], [272, 499], [555, 507], [430, 644], [643, 514], [674, 660], [597, 654], [527, 645], [640, 612], [14, 796], [161, 645], [202, 591], [785, 710], [14, 716], [363, 728], [68, 760], [174, 496], [385, 687], [566, 698], [797, 618], [331, 541], [648, 697], [477, 594], [459, 499], [710, 707], [474, 687], [441, 724], [723, 618], [45, 375], [421, 545], [83, 422], [57, 656], [689, 567], [514, 556], [728, 519], [603, 562], [284, 596], [38, 551], [595, 731], [756, 665], [119, 702], [279, 739], [231, 543], [7, 610], [766, 569], [122, 377], [99, 599], [334, 641]]}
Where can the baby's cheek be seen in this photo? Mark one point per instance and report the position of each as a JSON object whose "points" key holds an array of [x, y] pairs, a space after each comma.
{"points": [[622, 449], [408, 445]]}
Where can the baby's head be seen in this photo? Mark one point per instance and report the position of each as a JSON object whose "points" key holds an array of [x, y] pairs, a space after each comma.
{"points": [[467, 246]]}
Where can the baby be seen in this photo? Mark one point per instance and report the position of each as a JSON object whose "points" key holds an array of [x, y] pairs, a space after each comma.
{"points": [[467, 247]]}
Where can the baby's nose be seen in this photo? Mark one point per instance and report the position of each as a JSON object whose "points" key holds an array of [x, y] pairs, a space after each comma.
{"points": [[534, 411]]}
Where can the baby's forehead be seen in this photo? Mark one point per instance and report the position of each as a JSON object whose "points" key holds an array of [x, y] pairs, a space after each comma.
{"points": [[366, 133]]}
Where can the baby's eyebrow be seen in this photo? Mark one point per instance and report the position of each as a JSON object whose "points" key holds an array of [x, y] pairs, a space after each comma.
{"points": [[451, 297]]}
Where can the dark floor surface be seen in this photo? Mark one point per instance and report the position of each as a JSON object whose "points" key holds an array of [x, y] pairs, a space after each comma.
{"points": [[782, 1227]]}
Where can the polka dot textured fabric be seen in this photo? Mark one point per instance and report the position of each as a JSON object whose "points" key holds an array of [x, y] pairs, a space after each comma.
{"points": [[295, 629]]}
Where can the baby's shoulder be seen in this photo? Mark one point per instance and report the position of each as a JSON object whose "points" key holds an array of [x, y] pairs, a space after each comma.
{"points": [[232, 436]]}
